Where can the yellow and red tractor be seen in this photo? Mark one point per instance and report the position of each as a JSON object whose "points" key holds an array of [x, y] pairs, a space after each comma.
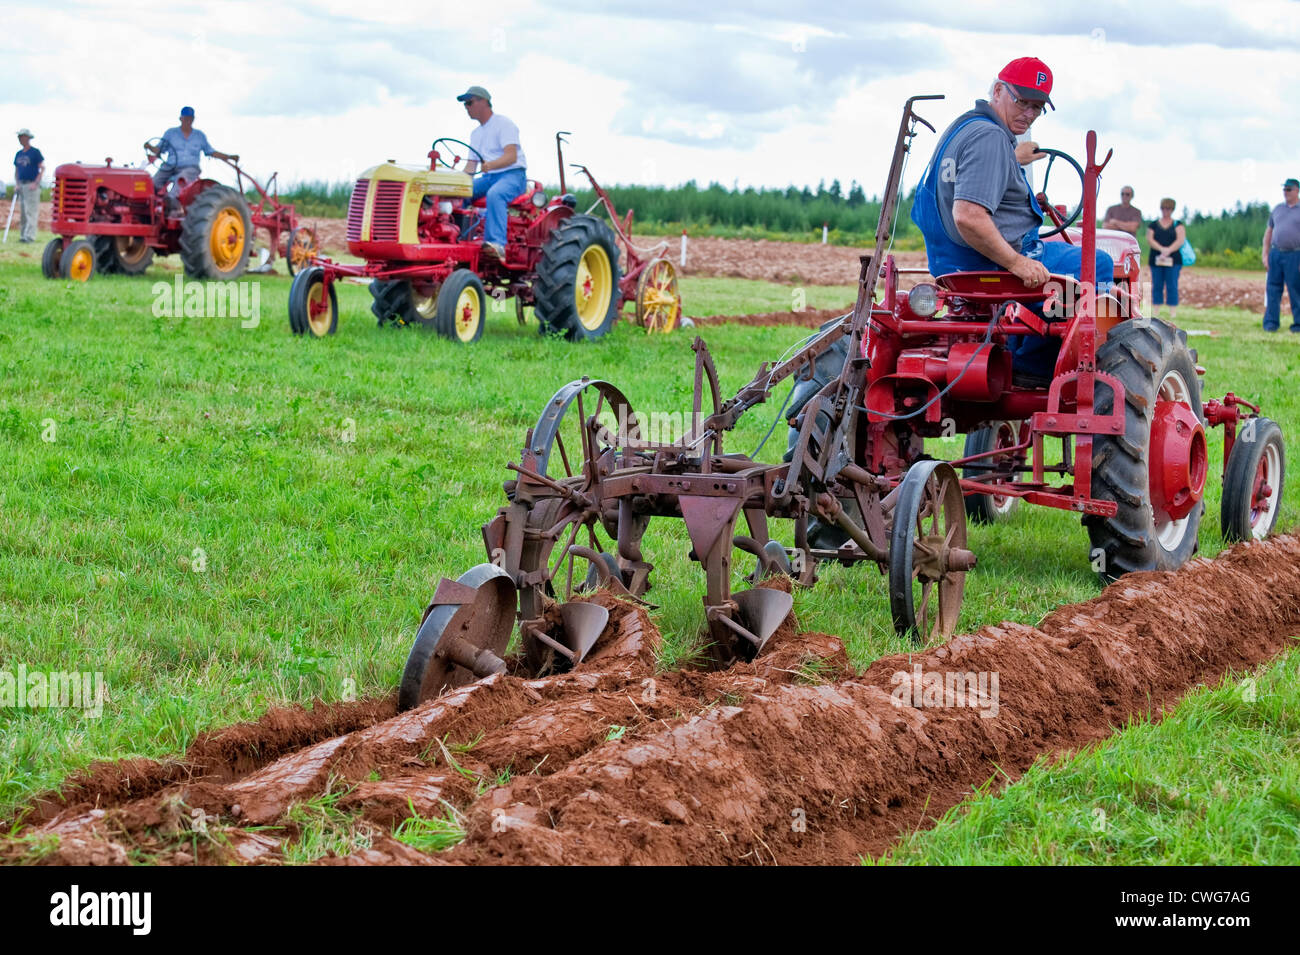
{"points": [[420, 238]]}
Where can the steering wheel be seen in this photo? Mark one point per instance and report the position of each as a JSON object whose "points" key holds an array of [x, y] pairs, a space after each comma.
{"points": [[149, 157], [1061, 223], [455, 159]]}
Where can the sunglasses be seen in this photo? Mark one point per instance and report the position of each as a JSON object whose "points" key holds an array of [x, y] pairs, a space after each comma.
{"points": [[1126, 195]]}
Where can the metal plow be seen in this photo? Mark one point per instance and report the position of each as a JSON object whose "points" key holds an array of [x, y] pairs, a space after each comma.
{"points": [[589, 481]]}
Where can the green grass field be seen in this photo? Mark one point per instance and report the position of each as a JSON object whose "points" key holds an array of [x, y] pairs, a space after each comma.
{"points": [[221, 518]]}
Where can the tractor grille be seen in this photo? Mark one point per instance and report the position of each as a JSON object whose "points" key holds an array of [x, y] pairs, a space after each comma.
{"points": [[357, 209], [71, 199], [385, 216]]}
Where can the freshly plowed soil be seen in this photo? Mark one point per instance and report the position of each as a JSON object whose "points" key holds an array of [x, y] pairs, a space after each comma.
{"points": [[789, 759]]}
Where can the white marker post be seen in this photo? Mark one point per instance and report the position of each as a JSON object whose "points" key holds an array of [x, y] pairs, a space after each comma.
{"points": [[683, 248], [825, 233]]}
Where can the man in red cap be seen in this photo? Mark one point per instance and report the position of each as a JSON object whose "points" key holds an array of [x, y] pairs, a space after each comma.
{"points": [[975, 206]]}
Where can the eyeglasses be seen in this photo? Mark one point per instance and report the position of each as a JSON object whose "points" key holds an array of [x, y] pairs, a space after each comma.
{"points": [[1289, 188], [1033, 107]]}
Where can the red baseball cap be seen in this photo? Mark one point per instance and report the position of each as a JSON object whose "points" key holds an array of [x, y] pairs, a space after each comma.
{"points": [[1030, 78]]}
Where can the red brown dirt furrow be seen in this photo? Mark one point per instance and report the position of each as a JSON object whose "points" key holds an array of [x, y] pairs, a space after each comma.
{"points": [[786, 759]]}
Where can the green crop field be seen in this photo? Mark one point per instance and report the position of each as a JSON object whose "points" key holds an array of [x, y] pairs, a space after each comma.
{"points": [[221, 518]]}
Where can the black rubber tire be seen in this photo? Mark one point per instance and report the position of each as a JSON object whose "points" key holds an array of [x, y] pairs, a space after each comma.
{"points": [[200, 215], [1140, 355], [1239, 480], [301, 288], [557, 272], [395, 302], [70, 250], [51, 257], [981, 508], [449, 295], [110, 261]]}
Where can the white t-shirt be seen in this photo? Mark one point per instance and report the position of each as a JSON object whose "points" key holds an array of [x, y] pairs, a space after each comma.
{"points": [[492, 138]]}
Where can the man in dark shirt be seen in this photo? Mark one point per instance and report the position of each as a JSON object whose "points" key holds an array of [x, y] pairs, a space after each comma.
{"points": [[29, 166], [1125, 216], [1282, 258]]}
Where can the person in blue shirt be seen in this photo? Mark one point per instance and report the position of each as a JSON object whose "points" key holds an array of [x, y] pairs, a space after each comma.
{"points": [[183, 146], [29, 165]]}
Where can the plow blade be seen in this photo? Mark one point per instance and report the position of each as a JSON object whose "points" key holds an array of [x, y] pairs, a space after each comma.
{"points": [[583, 625], [761, 611]]}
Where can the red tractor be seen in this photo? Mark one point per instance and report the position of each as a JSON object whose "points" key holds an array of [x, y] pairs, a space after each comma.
{"points": [[421, 242], [126, 221]]}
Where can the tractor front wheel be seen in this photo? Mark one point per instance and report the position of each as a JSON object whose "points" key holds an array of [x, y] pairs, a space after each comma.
{"points": [[77, 261], [577, 279], [997, 435], [1252, 481], [124, 254], [310, 308], [51, 257], [1154, 472], [216, 234], [460, 307]]}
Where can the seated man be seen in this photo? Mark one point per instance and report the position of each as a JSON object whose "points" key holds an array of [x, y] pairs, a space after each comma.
{"points": [[503, 168], [183, 146], [975, 207]]}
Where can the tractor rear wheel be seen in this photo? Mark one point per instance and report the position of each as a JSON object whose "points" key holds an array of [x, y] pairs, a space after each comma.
{"points": [[459, 312], [216, 234], [125, 254], [577, 279], [1155, 472], [77, 261], [51, 256]]}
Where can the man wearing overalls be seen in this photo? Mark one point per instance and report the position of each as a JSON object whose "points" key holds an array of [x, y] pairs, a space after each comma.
{"points": [[975, 207]]}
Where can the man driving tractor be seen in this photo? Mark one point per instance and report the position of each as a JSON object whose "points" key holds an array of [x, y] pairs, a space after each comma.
{"points": [[975, 207], [503, 168], [183, 145]]}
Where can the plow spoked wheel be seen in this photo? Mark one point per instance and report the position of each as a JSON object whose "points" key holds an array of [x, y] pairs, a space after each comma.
{"points": [[991, 508], [458, 308], [51, 257], [1252, 481], [301, 248], [310, 308], [124, 254], [216, 235], [577, 279], [1154, 472], [77, 261], [658, 302], [449, 646], [928, 559]]}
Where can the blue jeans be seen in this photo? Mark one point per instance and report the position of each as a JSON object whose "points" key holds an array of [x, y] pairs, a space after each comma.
{"points": [[1164, 278], [500, 188], [1283, 269], [1036, 354]]}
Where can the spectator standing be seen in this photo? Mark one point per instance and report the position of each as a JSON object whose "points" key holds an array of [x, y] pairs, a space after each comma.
{"points": [[1124, 216], [1282, 258], [29, 167], [1165, 237]]}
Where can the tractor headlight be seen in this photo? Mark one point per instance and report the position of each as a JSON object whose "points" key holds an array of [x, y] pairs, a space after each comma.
{"points": [[444, 207], [923, 300], [539, 199]]}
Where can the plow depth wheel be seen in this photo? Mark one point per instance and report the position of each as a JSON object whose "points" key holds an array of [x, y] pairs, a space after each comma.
{"points": [[1154, 472], [658, 302], [1252, 481], [928, 559], [216, 235], [310, 308], [77, 261], [577, 279], [991, 508], [301, 248]]}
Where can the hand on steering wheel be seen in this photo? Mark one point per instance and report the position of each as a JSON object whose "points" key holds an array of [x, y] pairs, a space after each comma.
{"points": [[150, 145], [455, 158], [1061, 222]]}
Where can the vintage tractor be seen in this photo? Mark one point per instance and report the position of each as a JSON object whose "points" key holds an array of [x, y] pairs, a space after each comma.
{"points": [[856, 483], [126, 221], [421, 241]]}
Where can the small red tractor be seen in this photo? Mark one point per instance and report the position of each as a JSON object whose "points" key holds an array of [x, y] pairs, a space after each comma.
{"points": [[857, 484], [421, 242], [126, 221]]}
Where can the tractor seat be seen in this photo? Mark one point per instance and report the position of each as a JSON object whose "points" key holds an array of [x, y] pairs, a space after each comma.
{"points": [[1003, 285], [519, 202]]}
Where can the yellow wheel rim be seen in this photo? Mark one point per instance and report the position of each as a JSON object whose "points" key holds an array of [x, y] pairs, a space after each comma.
{"points": [[227, 239], [593, 287], [302, 250], [131, 248], [83, 263], [319, 312], [658, 302], [426, 306], [468, 315]]}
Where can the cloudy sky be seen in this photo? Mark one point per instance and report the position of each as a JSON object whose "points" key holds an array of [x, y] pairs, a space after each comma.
{"points": [[1198, 100]]}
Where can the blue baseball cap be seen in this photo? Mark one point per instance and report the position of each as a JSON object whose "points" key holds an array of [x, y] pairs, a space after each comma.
{"points": [[187, 110]]}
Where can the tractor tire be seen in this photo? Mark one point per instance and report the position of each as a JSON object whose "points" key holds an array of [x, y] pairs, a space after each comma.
{"points": [[121, 254], [309, 310], [461, 308], [51, 257], [216, 235], [1144, 357], [404, 303], [577, 280], [1258, 457], [988, 508], [77, 261]]}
